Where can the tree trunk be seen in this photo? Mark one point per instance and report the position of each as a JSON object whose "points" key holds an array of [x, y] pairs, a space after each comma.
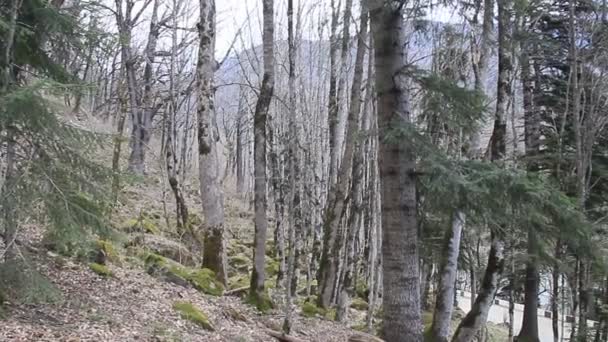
{"points": [[401, 274], [477, 317], [529, 328], [258, 275], [333, 105], [440, 328], [555, 293], [120, 127], [337, 196], [212, 195], [294, 213]]}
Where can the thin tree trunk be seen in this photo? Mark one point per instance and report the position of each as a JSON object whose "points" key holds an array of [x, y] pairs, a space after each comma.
{"points": [[440, 328], [258, 275], [555, 294], [120, 127], [333, 106], [212, 195], [294, 213], [477, 317], [336, 199], [401, 274]]}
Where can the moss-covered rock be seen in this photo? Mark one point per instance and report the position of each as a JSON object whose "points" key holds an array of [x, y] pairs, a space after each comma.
{"points": [[359, 304], [261, 302], [205, 281], [189, 312], [102, 270]]}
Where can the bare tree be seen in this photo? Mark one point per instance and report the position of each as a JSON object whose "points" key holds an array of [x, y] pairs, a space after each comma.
{"points": [[212, 195], [258, 275], [477, 317]]}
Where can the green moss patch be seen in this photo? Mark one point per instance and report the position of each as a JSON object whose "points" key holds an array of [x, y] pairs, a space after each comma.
{"points": [[272, 267], [203, 280], [261, 302], [359, 304], [309, 309], [102, 270], [238, 281], [189, 312], [142, 224]]}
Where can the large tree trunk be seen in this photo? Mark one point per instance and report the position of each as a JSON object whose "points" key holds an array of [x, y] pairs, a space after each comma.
{"points": [[258, 275], [401, 274], [440, 329], [212, 196], [477, 317], [336, 198]]}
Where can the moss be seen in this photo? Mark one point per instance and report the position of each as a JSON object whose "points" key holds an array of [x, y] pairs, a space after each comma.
{"points": [[359, 304], [309, 309], [102, 270], [262, 302], [236, 247], [240, 262], [362, 290], [329, 314], [190, 312], [271, 249], [143, 224], [272, 267], [205, 281], [238, 282]]}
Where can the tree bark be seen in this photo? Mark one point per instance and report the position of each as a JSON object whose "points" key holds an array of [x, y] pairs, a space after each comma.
{"points": [[211, 192], [397, 161], [336, 198], [258, 275], [477, 317], [440, 328], [529, 328]]}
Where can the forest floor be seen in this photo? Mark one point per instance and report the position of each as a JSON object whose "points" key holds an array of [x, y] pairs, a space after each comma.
{"points": [[70, 301]]}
